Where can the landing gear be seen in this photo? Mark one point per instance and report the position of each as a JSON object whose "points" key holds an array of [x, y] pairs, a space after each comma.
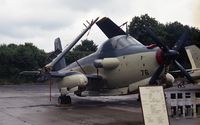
{"points": [[64, 99], [138, 99]]}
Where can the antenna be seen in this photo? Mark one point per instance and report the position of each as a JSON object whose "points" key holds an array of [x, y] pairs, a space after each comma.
{"points": [[125, 25]]}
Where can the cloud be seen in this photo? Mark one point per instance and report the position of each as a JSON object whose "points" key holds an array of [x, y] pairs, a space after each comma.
{"points": [[18, 18], [196, 10], [42, 21]]}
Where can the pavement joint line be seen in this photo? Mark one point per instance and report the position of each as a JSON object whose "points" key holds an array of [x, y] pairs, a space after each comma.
{"points": [[122, 109], [30, 106], [6, 113]]}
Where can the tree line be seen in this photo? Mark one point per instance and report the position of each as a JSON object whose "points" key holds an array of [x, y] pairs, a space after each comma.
{"points": [[169, 33], [17, 58]]}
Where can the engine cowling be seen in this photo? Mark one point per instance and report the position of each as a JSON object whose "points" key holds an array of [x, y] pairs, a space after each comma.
{"points": [[76, 79]]}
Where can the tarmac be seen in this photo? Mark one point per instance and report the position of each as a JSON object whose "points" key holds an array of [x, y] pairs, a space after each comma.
{"points": [[31, 105]]}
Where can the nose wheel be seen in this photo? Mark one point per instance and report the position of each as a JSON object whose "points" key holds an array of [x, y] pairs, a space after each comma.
{"points": [[64, 99]]}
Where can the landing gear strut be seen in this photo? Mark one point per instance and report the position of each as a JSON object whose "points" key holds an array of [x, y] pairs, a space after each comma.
{"points": [[138, 99], [64, 99]]}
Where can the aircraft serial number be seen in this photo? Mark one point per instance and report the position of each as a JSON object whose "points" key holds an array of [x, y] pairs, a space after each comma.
{"points": [[144, 72]]}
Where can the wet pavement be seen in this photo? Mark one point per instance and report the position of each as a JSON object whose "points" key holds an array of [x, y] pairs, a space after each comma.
{"points": [[30, 105]]}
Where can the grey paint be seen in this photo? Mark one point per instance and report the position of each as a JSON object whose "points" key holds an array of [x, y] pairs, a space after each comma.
{"points": [[108, 49]]}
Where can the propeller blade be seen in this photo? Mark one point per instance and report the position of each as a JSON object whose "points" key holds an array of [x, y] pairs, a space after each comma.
{"points": [[181, 42], [187, 75], [156, 75], [157, 40]]}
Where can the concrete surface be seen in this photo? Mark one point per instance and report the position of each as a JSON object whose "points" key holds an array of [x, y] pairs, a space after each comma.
{"points": [[30, 105]]}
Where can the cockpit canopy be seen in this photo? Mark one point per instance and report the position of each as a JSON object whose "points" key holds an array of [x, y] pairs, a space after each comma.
{"points": [[123, 41], [119, 42]]}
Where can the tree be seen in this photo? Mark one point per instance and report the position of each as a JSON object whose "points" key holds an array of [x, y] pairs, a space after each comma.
{"points": [[138, 25], [85, 48], [195, 36], [17, 58], [169, 33]]}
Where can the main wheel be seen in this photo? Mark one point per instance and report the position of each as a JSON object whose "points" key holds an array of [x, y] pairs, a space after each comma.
{"points": [[64, 99], [60, 100], [67, 100]]}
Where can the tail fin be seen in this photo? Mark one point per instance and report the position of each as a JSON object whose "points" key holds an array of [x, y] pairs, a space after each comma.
{"points": [[193, 53], [58, 49]]}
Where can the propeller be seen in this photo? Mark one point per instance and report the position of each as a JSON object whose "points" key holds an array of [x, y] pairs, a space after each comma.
{"points": [[168, 56]]}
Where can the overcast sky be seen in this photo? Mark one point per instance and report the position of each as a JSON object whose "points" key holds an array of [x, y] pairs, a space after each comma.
{"points": [[41, 21]]}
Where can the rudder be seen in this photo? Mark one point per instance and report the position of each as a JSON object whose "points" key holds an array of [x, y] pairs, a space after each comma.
{"points": [[58, 49]]}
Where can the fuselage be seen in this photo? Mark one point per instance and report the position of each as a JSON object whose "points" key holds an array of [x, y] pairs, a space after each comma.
{"points": [[136, 63]]}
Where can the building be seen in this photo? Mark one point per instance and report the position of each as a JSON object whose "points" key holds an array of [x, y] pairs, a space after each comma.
{"points": [[183, 101]]}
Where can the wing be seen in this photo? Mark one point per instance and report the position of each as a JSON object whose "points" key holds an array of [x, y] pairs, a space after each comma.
{"points": [[66, 50], [109, 28]]}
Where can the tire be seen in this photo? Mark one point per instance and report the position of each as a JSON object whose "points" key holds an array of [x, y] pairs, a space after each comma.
{"points": [[64, 99], [67, 100]]}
